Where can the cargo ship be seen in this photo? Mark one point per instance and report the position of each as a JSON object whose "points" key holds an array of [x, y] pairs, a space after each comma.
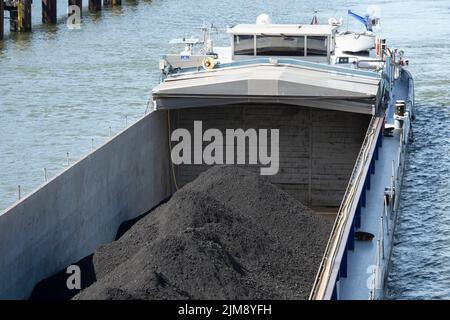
{"points": [[341, 102]]}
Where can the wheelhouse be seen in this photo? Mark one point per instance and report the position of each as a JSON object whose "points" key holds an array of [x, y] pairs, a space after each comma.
{"points": [[306, 42]]}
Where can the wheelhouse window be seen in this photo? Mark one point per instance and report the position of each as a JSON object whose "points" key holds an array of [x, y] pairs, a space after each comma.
{"points": [[280, 45], [244, 45], [317, 46]]}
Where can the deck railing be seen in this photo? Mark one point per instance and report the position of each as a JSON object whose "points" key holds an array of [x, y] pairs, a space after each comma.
{"points": [[285, 61], [326, 273]]}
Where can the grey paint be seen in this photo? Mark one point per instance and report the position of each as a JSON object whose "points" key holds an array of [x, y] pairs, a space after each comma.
{"points": [[74, 213], [268, 80], [308, 137], [364, 106]]}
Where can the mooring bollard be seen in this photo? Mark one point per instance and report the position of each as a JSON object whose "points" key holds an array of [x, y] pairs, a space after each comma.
{"points": [[78, 3], [95, 5], [49, 11]]}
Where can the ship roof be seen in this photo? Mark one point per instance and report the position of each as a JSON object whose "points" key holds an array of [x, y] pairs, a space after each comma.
{"points": [[282, 29]]}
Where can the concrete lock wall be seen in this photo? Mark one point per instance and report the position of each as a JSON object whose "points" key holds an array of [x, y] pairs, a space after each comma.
{"points": [[82, 208], [308, 136]]}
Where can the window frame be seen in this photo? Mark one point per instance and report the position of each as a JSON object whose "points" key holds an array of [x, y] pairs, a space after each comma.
{"points": [[234, 42], [327, 46], [305, 49], [281, 36]]}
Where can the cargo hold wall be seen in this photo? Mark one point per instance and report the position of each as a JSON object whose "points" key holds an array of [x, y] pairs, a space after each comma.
{"points": [[82, 208], [318, 148]]}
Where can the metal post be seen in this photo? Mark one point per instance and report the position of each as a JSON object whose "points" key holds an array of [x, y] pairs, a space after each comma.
{"points": [[95, 5], [378, 253], [372, 291], [2, 19], [386, 215], [378, 266], [49, 11], [78, 3], [92, 144], [45, 174], [391, 189], [382, 236], [393, 170], [110, 132], [24, 15], [68, 163], [18, 191]]}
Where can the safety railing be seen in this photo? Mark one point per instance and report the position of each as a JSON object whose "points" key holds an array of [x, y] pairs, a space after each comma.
{"points": [[286, 61], [324, 276], [383, 234]]}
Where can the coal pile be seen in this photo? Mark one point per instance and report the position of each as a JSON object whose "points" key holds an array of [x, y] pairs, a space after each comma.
{"points": [[229, 234]]}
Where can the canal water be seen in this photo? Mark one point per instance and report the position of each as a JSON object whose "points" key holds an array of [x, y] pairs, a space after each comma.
{"points": [[65, 91]]}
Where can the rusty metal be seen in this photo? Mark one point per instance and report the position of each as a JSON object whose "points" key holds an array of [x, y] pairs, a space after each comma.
{"points": [[20, 15], [49, 11], [95, 5], [24, 15], [2, 19]]}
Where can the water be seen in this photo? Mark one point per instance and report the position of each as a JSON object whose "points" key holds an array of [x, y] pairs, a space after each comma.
{"points": [[60, 88]]}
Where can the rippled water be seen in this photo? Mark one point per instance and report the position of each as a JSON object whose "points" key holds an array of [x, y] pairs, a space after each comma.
{"points": [[61, 88]]}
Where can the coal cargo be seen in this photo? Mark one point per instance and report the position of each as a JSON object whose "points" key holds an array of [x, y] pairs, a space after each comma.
{"points": [[229, 234]]}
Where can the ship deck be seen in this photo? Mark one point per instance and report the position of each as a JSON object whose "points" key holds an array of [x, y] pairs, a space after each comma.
{"points": [[362, 260]]}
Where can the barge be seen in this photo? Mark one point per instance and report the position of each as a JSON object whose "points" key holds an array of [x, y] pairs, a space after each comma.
{"points": [[344, 123]]}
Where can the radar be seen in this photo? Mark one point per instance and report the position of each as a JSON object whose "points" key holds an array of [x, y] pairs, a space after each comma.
{"points": [[263, 19]]}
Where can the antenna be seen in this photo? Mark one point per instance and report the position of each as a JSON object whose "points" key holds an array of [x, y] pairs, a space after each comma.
{"points": [[314, 20]]}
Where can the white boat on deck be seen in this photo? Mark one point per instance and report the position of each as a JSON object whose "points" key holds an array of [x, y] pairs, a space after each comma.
{"points": [[334, 95], [355, 42]]}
